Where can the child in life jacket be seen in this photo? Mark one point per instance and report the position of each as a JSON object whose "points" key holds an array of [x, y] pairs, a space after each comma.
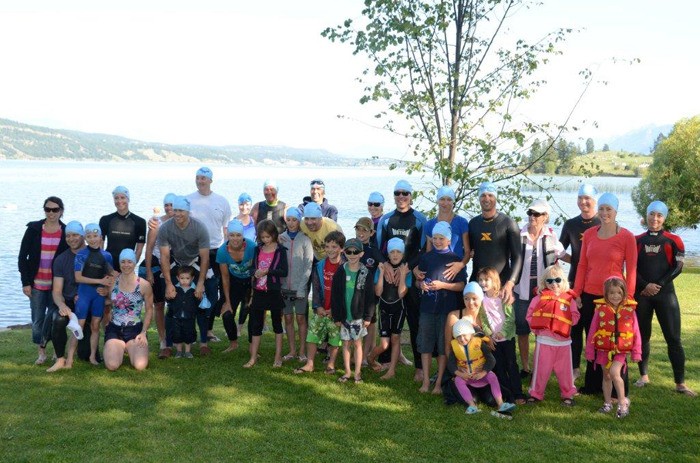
{"points": [[473, 361], [614, 333], [551, 315]]}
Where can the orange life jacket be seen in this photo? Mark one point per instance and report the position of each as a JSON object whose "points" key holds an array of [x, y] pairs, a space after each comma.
{"points": [[553, 313], [615, 330]]}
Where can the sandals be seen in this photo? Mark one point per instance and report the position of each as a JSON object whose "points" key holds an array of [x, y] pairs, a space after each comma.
{"points": [[277, 364], [288, 357], [343, 379], [532, 400], [358, 381], [606, 408], [301, 371], [641, 383], [568, 402], [329, 371], [686, 391]]}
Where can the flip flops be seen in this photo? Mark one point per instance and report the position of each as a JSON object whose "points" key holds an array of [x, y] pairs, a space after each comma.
{"points": [[301, 371], [684, 390]]}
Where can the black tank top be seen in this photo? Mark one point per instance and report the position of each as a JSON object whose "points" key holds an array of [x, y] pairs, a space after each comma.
{"points": [[274, 213]]}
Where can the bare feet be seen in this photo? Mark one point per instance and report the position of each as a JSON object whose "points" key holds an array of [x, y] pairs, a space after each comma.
{"points": [[418, 376], [94, 361], [233, 346], [388, 375], [424, 388], [437, 390], [59, 365]]}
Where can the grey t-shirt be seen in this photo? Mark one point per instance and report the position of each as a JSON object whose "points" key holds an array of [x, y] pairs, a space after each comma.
{"points": [[64, 267], [184, 243]]}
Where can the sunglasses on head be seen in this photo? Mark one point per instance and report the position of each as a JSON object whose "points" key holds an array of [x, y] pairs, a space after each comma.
{"points": [[317, 182], [532, 213], [352, 252], [402, 193], [52, 209], [553, 280], [374, 204]]}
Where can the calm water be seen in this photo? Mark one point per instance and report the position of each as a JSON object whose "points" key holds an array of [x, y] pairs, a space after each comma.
{"points": [[85, 188]]}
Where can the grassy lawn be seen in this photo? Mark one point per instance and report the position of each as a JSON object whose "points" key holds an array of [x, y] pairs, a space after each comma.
{"points": [[614, 163], [211, 409]]}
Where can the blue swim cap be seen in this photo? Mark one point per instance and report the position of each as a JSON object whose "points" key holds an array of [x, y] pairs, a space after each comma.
{"points": [[608, 199], [294, 212], [93, 228], [245, 198], [444, 229], [474, 288], [376, 197], [235, 226], [205, 172], [75, 227], [169, 199], [181, 203], [488, 187], [658, 207], [122, 190], [127, 254], [395, 244], [403, 185], [445, 191], [586, 189], [312, 211], [272, 183]]}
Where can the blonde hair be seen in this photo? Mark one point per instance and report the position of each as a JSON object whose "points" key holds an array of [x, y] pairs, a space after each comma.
{"points": [[615, 282], [490, 272], [554, 271]]}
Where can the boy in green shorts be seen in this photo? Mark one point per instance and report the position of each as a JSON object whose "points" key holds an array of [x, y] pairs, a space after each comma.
{"points": [[321, 324]]}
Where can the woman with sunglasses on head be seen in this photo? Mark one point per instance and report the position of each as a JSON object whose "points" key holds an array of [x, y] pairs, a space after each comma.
{"points": [[43, 240], [375, 207], [540, 249]]}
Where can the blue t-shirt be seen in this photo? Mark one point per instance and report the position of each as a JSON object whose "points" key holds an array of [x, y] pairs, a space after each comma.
{"points": [[249, 232], [459, 226], [244, 268], [434, 263]]}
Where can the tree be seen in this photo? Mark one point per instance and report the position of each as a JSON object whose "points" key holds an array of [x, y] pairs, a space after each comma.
{"points": [[590, 146], [606, 147], [442, 68], [674, 176]]}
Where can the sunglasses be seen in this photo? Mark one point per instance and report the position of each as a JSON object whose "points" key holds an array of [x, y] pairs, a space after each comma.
{"points": [[374, 204], [402, 193], [535, 214], [352, 252], [55, 210], [317, 182], [553, 280]]}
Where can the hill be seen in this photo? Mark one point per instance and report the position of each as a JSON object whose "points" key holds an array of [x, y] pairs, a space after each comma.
{"points": [[613, 163], [640, 140], [24, 141]]}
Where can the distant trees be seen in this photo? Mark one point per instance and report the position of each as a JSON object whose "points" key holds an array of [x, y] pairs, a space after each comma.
{"points": [[674, 176], [590, 146], [606, 147], [553, 157]]}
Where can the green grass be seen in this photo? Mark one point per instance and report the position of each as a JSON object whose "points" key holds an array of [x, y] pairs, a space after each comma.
{"points": [[211, 409], [614, 163]]}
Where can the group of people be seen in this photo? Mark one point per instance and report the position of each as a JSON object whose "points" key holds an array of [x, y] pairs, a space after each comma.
{"points": [[201, 262]]}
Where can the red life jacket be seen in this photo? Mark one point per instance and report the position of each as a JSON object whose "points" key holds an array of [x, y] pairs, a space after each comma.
{"points": [[615, 330], [553, 313]]}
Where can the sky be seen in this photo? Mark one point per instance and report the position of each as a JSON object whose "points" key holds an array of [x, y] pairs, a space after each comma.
{"points": [[219, 72]]}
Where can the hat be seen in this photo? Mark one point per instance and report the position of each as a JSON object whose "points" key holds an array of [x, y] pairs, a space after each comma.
{"points": [[403, 185], [462, 327], [539, 205], [317, 182], [474, 288], [366, 223], [235, 226], [443, 228], [375, 197], [205, 172], [445, 191], [396, 244], [75, 227], [181, 203], [608, 199], [93, 228], [655, 206], [270, 183], [354, 243], [127, 254], [294, 212], [121, 190], [74, 326], [488, 187], [312, 211], [244, 198], [169, 199], [586, 189]]}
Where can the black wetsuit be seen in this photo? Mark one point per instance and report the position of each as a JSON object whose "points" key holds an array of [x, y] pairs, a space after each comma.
{"points": [[571, 235], [496, 243], [274, 213], [660, 260], [122, 232]]}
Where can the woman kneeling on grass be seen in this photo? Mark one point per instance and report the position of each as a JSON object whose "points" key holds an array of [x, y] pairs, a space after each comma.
{"points": [[125, 331]]}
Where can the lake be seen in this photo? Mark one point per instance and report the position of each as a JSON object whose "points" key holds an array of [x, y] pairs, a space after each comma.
{"points": [[86, 187]]}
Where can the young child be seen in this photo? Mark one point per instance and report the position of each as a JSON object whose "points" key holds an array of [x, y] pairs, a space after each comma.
{"points": [[472, 362], [392, 311], [500, 323], [93, 270], [182, 312], [614, 333], [551, 315], [439, 297], [371, 258], [270, 264], [300, 255], [352, 305], [321, 324]]}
